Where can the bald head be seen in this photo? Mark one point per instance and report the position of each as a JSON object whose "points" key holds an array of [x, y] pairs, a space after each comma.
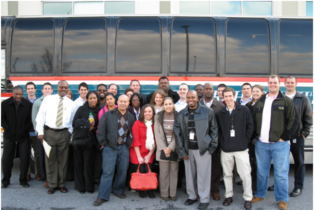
{"points": [[208, 91], [123, 103]]}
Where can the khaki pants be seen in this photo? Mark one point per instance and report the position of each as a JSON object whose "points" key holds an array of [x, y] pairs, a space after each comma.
{"points": [[168, 178], [57, 163], [244, 169]]}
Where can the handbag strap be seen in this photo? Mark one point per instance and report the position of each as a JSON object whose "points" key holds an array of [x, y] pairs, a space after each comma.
{"points": [[138, 168]]}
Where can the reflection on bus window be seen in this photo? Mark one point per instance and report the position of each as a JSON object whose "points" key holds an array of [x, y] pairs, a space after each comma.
{"points": [[296, 47], [2, 69], [33, 45], [84, 45], [138, 45], [193, 45], [247, 46]]}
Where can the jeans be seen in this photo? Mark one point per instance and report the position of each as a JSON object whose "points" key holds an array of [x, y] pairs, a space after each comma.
{"points": [[113, 159], [279, 152]]}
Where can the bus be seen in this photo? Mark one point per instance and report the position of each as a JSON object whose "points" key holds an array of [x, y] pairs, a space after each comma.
{"points": [[190, 49]]}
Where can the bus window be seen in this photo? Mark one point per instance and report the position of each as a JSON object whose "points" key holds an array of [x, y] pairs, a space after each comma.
{"points": [[84, 45], [247, 46], [138, 45], [193, 45], [296, 47], [32, 46], [2, 69]]}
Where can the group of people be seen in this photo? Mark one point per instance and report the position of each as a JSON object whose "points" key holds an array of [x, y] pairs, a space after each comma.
{"points": [[101, 139]]}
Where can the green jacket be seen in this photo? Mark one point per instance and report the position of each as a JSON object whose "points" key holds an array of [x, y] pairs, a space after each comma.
{"points": [[284, 121]]}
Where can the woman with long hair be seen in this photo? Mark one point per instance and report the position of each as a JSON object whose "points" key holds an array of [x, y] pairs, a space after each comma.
{"points": [[157, 100], [110, 104], [166, 146], [257, 93], [84, 124], [142, 150]]}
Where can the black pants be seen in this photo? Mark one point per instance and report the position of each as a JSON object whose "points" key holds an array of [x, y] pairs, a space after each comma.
{"points": [[216, 171], [297, 150], [9, 148], [253, 166], [84, 169], [97, 165], [181, 174], [70, 175], [42, 164]]}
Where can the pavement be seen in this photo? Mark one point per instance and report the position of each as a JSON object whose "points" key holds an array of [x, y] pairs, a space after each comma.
{"points": [[15, 197]]}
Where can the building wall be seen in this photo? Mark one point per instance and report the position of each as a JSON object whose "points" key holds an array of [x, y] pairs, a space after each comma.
{"points": [[278, 8]]}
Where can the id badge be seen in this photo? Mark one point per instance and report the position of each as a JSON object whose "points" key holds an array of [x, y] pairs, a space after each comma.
{"points": [[294, 141], [192, 135], [232, 133]]}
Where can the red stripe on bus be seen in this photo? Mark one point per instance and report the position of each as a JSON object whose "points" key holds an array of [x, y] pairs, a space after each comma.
{"points": [[6, 94], [153, 78]]}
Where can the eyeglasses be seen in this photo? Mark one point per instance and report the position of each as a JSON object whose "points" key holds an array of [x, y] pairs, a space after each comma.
{"points": [[135, 100]]}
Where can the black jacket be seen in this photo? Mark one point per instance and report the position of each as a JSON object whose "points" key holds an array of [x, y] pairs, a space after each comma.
{"points": [[243, 127], [284, 119], [81, 123], [107, 133], [206, 130], [131, 110], [16, 125], [174, 95], [303, 108]]}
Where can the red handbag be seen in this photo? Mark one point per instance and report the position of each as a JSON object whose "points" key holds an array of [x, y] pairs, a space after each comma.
{"points": [[141, 181]]}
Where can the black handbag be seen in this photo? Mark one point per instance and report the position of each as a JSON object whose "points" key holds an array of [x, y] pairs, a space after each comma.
{"points": [[173, 156], [82, 142]]}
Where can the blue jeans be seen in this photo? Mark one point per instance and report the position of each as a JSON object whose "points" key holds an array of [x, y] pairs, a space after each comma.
{"points": [[279, 152], [113, 159]]}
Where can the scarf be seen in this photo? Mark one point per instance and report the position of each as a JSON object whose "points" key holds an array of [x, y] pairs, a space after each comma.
{"points": [[150, 143]]}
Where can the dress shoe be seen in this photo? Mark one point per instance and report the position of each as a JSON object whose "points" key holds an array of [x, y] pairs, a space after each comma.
{"points": [[122, 195], [90, 192], [46, 185], [82, 192], [283, 205], [202, 206], [240, 183], [173, 198], [216, 196], [38, 177], [257, 199], [142, 194], [5, 184], [165, 198], [63, 189], [51, 190], [247, 204], [227, 201], [271, 188], [99, 201], [24, 184], [189, 202], [296, 192], [151, 194], [28, 177]]}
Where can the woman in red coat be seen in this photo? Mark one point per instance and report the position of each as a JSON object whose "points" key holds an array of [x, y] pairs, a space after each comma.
{"points": [[143, 147]]}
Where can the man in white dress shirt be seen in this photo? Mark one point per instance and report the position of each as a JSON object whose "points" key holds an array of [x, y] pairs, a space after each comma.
{"points": [[83, 90], [54, 125], [183, 90]]}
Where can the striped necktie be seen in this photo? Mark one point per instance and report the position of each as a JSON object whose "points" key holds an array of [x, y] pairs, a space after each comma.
{"points": [[60, 113]]}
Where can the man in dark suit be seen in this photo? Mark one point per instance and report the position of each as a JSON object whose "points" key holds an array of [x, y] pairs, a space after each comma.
{"points": [[16, 121], [209, 101], [164, 85]]}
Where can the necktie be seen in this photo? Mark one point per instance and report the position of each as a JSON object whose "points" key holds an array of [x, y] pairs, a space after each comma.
{"points": [[60, 113]]}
